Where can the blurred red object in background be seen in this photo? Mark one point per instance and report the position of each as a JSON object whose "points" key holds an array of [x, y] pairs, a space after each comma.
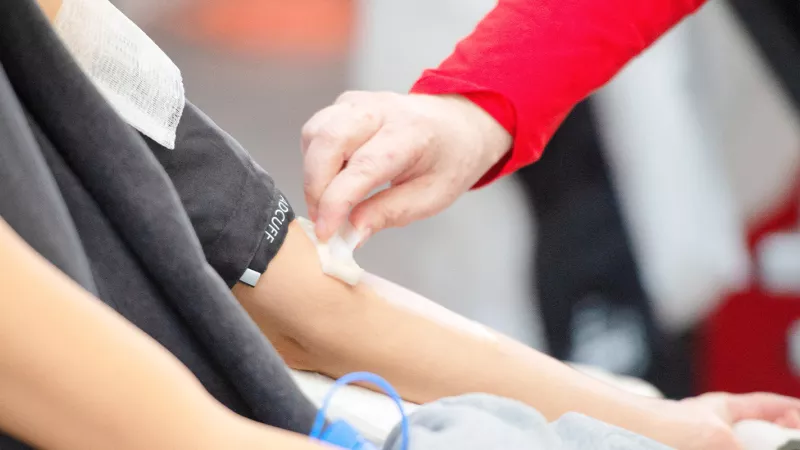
{"points": [[752, 341], [320, 28]]}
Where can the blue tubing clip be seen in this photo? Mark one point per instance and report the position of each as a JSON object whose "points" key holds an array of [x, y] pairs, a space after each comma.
{"points": [[340, 433]]}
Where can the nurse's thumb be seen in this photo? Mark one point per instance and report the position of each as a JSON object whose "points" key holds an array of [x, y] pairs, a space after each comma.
{"points": [[396, 206]]}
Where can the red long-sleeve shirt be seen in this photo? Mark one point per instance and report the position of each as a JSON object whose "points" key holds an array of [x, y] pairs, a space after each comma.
{"points": [[530, 61]]}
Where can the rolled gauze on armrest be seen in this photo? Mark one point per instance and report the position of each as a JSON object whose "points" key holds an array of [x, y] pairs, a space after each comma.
{"points": [[759, 435]]}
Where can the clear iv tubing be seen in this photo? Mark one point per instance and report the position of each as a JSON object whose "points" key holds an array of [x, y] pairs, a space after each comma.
{"points": [[364, 377]]}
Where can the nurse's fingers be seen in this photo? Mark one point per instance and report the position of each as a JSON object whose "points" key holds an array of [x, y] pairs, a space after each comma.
{"points": [[399, 205], [329, 139], [382, 159]]}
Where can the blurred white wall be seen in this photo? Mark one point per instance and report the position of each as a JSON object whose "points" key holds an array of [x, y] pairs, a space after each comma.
{"points": [[755, 128]]}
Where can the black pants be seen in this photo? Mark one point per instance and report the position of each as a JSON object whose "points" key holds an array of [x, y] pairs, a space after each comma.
{"points": [[593, 305]]}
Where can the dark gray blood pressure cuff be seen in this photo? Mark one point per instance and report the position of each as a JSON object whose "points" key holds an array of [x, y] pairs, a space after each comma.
{"points": [[239, 215]]}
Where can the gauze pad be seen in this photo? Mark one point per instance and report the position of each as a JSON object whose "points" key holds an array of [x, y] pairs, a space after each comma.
{"points": [[336, 255], [138, 79]]}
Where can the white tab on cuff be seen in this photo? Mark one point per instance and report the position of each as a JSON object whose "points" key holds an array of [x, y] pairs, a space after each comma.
{"points": [[250, 277]]}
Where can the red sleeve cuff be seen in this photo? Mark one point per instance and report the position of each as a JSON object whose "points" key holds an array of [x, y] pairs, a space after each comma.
{"points": [[496, 105], [529, 62]]}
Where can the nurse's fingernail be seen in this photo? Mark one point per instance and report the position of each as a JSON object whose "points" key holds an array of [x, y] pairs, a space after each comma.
{"points": [[322, 230], [351, 235], [365, 234]]}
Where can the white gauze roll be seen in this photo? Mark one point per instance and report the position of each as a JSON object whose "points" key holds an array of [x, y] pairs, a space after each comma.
{"points": [[136, 77]]}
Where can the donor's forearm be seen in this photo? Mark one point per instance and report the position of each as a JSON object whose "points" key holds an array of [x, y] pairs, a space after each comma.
{"points": [[323, 325]]}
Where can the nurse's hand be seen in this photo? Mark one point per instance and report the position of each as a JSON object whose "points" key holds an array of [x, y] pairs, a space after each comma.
{"points": [[431, 149]]}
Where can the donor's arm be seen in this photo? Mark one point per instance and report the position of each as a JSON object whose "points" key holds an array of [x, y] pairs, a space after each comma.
{"points": [[321, 324]]}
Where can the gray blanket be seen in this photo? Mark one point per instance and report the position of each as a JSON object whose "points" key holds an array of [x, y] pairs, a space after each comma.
{"points": [[485, 422]]}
